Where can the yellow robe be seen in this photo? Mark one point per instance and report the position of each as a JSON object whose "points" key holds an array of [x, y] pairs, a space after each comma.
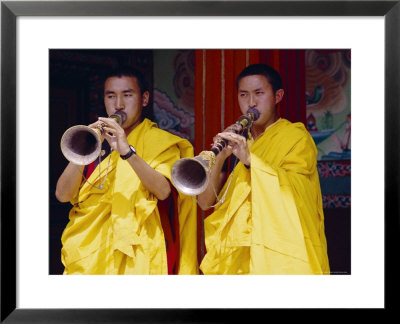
{"points": [[118, 230], [272, 220]]}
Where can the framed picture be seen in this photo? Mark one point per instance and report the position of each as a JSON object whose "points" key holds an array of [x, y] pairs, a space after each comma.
{"points": [[183, 12]]}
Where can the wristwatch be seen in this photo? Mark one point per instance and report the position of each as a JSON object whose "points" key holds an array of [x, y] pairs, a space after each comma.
{"points": [[129, 154]]}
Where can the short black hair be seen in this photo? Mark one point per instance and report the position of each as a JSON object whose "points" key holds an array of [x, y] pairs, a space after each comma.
{"points": [[129, 71], [270, 73]]}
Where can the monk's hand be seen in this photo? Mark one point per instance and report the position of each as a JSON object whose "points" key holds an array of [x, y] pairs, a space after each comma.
{"points": [[227, 150], [99, 125], [238, 146], [115, 135]]}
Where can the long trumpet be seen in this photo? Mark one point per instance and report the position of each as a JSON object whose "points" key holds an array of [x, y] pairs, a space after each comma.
{"points": [[81, 144], [191, 175]]}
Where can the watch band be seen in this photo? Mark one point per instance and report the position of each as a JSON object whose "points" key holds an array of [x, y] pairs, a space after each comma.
{"points": [[129, 154]]}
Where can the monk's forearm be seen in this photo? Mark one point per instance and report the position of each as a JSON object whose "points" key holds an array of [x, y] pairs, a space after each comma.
{"points": [[69, 182], [151, 179]]}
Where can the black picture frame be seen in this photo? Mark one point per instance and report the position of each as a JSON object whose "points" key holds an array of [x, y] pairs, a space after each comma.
{"points": [[10, 10]]}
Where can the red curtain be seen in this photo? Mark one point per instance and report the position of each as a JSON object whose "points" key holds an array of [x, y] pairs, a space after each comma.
{"points": [[216, 104], [291, 66]]}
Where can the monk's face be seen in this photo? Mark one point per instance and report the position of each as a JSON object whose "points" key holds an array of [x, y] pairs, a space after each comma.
{"points": [[123, 93], [254, 91]]}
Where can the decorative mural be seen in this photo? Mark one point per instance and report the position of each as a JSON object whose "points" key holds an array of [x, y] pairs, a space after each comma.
{"points": [[174, 107], [328, 102], [170, 117], [184, 68]]}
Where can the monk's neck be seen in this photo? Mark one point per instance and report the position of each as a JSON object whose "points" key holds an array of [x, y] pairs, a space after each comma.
{"points": [[258, 130], [129, 129]]}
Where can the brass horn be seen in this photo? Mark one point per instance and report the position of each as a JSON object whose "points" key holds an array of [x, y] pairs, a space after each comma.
{"points": [[191, 175], [81, 144]]}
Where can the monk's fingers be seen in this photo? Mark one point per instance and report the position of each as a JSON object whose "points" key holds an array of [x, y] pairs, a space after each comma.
{"points": [[217, 139], [232, 137], [96, 124], [111, 132], [227, 136], [233, 128], [108, 121]]}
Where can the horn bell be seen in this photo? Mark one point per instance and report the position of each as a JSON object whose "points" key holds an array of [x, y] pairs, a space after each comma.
{"points": [[81, 144], [190, 175]]}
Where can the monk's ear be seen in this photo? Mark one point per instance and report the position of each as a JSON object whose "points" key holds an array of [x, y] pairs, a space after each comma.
{"points": [[279, 95], [145, 98]]}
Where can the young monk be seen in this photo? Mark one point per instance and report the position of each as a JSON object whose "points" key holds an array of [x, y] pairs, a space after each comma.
{"points": [[138, 223], [271, 220]]}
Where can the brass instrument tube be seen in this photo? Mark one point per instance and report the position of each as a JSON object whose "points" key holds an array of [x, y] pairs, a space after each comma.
{"points": [[191, 175]]}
